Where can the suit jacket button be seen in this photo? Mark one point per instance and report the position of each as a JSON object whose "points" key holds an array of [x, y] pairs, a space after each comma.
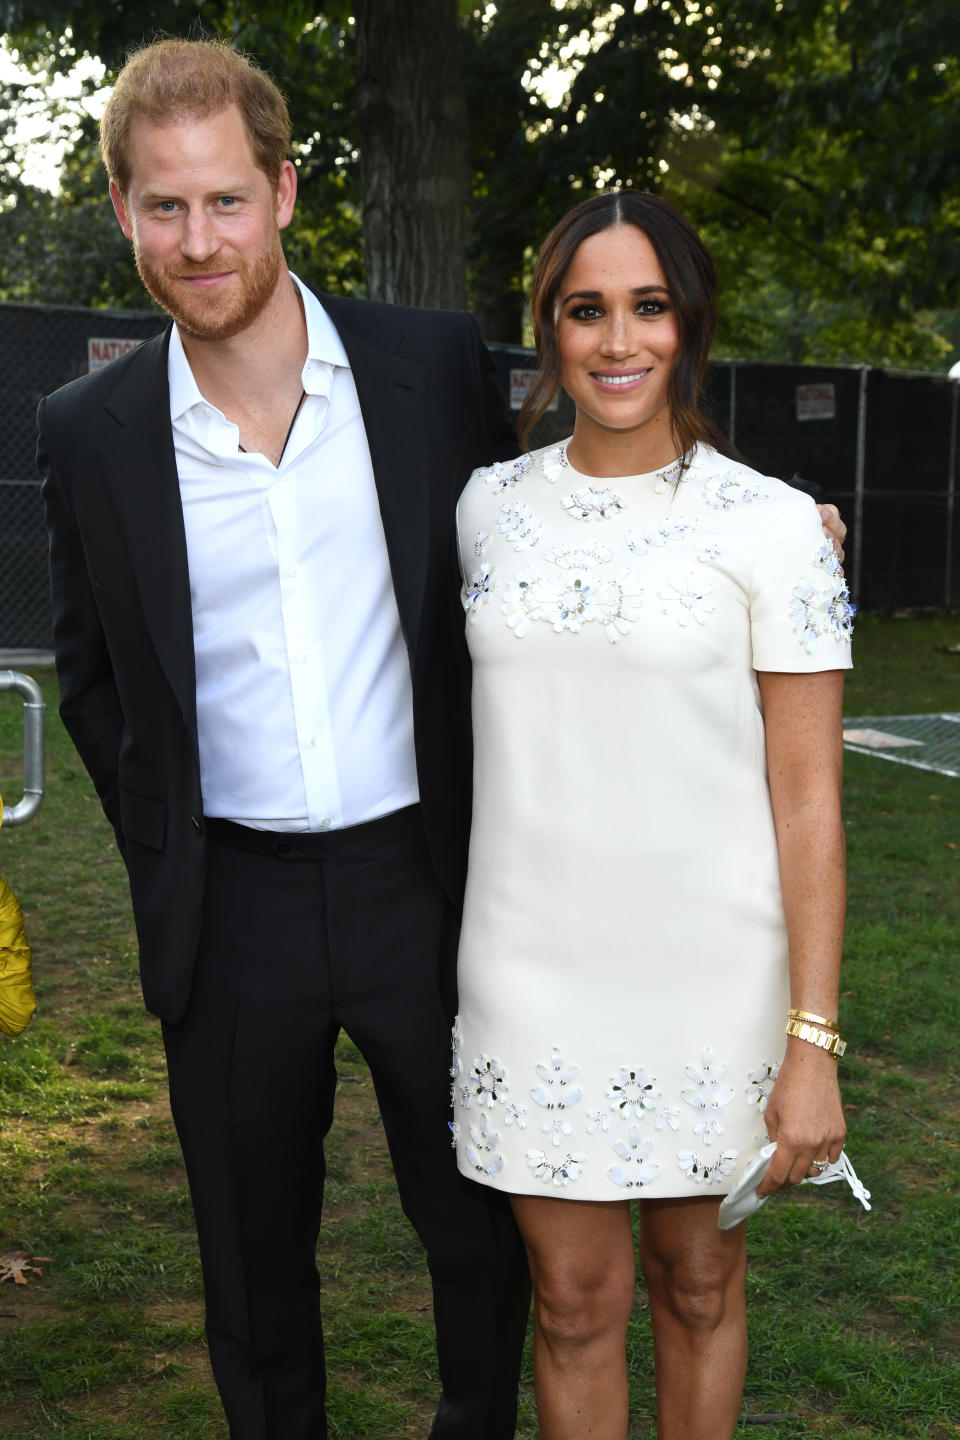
{"points": [[197, 824]]}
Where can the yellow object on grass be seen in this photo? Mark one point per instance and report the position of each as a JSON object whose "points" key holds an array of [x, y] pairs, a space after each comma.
{"points": [[17, 1000]]}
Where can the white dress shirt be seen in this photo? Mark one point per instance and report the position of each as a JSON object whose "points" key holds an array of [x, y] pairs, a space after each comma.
{"points": [[304, 700]]}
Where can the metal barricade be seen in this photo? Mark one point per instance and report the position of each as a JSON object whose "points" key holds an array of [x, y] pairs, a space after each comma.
{"points": [[33, 747]]}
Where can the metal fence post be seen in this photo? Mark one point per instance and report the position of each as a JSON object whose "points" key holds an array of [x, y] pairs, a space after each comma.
{"points": [[858, 484], [33, 746]]}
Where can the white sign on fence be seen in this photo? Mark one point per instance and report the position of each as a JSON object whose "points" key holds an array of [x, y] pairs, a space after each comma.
{"points": [[816, 402], [101, 351], [520, 382]]}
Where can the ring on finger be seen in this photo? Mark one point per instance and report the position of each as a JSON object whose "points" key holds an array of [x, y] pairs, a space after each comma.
{"points": [[820, 1165]]}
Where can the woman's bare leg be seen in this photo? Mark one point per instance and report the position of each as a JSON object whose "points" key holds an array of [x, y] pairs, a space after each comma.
{"points": [[584, 1275], [695, 1274]]}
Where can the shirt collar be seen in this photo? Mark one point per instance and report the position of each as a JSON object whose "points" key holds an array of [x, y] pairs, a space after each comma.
{"points": [[324, 352]]}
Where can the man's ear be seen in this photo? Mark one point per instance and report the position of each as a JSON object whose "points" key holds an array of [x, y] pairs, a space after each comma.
{"points": [[286, 194], [120, 208]]}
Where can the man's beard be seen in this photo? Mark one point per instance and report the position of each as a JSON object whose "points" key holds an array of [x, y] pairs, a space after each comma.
{"points": [[204, 313]]}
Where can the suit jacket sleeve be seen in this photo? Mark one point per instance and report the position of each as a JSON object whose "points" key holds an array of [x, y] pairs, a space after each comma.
{"points": [[89, 704], [499, 438]]}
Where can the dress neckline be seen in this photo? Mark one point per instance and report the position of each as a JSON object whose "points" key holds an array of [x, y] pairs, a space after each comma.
{"points": [[555, 463]]}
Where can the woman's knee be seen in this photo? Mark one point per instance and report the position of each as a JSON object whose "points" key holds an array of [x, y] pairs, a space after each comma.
{"points": [[700, 1287], [575, 1310]]}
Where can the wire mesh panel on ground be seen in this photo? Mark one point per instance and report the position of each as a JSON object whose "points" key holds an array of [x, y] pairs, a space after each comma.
{"points": [[927, 742]]}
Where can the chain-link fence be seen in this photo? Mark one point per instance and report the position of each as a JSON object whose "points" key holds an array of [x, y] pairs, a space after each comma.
{"points": [[41, 348], [880, 444]]}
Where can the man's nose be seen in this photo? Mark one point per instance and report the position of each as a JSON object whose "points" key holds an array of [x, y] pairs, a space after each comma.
{"points": [[200, 239]]}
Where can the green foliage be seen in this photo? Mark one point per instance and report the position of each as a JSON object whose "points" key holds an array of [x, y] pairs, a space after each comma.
{"points": [[811, 140]]}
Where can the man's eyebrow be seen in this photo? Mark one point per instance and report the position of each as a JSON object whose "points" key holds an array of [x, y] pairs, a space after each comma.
{"points": [[154, 192], [598, 294]]}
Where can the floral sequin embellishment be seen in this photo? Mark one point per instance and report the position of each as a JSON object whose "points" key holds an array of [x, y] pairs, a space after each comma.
{"points": [[725, 491], [481, 1149], [821, 605], [557, 1173], [505, 473], [707, 1172], [555, 462], [579, 557], [670, 475], [519, 526], [572, 600], [557, 1092], [487, 1081], [632, 1092], [708, 1096], [688, 598], [478, 589], [760, 1083], [654, 537], [637, 1170], [587, 503]]}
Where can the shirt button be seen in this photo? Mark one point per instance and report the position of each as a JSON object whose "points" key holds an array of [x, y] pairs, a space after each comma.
{"points": [[325, 824], [292, 569], [306, 657]]}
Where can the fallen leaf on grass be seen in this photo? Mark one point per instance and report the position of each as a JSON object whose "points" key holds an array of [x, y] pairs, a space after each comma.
{"points": [[15, 1263]]}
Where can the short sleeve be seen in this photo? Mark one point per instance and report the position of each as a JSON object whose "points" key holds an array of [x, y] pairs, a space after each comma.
{"points": [[801, 618]]}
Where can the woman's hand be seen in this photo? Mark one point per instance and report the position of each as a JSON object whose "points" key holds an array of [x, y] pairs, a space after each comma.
{"points": [[833, 528], [804, 1115]]}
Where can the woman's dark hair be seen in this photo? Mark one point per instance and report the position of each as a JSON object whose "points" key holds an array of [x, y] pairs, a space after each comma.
{"points": [[691, 281]]}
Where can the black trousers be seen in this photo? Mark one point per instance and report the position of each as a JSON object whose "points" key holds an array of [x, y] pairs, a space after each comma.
{"points": [[303, 936]]}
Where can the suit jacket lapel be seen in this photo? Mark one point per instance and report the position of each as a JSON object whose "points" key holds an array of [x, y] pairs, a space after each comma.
{"points": [[391, 389], [141, 471]]}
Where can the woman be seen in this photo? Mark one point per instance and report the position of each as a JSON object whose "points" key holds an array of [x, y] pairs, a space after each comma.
{"points": [[658, 637]]}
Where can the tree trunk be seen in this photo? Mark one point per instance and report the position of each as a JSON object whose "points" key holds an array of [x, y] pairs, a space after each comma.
{"points": [[413, 137]]}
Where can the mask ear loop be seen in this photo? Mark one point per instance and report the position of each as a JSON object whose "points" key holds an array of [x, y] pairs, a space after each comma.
{"points": [[842, 1169]]}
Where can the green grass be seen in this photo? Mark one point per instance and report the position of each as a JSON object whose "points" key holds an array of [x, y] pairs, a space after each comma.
{"points": [[855, 1320]]}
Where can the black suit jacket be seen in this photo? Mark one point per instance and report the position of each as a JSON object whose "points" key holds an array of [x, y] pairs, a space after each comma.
{"points": [[123, 631]]}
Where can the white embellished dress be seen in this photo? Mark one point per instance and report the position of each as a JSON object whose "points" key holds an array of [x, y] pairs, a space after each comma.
{"points": [[623, 965]]}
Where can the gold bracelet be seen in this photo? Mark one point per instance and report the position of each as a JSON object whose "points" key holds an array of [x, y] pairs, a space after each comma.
{"points": [[814, 1019], [821, 1038]]}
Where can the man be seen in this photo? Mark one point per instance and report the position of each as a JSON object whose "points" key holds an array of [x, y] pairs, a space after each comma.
{"points": [[260, 653]]}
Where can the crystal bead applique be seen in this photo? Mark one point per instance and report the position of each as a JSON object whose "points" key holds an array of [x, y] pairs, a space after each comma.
{"points": [[725, 491], [557, 1173], [637, 1170], [670, 475], [820, 604], [632, 1092], [654, 537], [477, 590], [708, 1096], [505, 473], [707, 1172], [518, 525], [487, 1081], [555, 462], [481, 1149], [687, 598], [760, 1083], [579, 557], [588, 503], [572, 600], [556, 1092]]}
